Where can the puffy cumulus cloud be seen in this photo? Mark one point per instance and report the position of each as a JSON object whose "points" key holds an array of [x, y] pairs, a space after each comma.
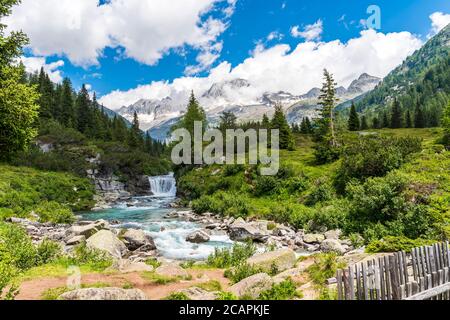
{"points": [[310, 33], [439, 21], [279, 68], [33, 64], [145, 29]]}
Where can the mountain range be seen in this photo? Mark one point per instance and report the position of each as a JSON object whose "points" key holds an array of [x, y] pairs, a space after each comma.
{"points": [[158, 116]]}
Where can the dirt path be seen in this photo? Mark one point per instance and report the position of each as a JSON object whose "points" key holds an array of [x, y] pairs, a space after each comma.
{"points": [[33, 289]]}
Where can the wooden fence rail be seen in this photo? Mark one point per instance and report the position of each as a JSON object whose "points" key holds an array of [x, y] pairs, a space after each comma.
{"points": [[422, 274]]}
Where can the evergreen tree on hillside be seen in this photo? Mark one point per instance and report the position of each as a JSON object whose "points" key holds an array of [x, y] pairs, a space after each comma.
{"points": [[385, 121], [194, 113], [84, 112], [306, 126], [119, 129], [364, 124], [409, 122], [135, 135], [45, 89], [228, 120], [265, 124], [279, 122], [376, 123], [353, 121], [18, 107], [446, 125], [419, 120], [327, 101], [68, 117], [397, 115]]}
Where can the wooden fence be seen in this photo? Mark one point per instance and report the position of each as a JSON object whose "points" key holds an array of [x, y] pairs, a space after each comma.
{"points": [[422, 274]]}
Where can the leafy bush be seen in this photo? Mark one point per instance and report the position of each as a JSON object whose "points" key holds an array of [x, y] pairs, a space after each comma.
{"points": [[94, 258], [54, 212], [374, 156], [48, 251], [226, 296], [241, 272], [324, 268], [326, 154], [231, 170], [266, 185], [153, 262], [212, 285], [177, 296], [226, 258], [285, 290], [323, 191], [395, 244], [17, 245], [223, 203]]}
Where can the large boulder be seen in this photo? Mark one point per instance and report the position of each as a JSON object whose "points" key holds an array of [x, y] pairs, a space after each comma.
{"points": [[282, 259], [107, 241], [104, 294], [253, 286], [172, 270], [135, 239], [86, 231], [312, 238], [243, 231], [200, 236], [332, 245], [333, 234], [128, 266], [76, 240]]}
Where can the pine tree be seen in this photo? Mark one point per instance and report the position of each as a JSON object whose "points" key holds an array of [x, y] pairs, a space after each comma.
{"points": [[84, 112], [68, 117], [419, 121], [364, 124], [409, 123], [279, 122], [265, 122], [353, 121], [228, 120], [385, 120], [375, 123], [306, 127], [446, 125], [397, 115], [194, 113], [328, 102], [135, 139]]}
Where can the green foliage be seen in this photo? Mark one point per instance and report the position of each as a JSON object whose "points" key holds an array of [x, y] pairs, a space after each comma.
{"points": [[226, 296], [48, 251], [375, 156], [322, 191], [153, 262], [212, 285], [226, 258], [266, 185], [54, 212], [160, 279], [17, 244], [85, 256], [285, 290], [325, 267], [241, 272], [223, 203], [23, 190], [279, 122], [353, 121], [395, 244], [446, 125], [177, 296]]}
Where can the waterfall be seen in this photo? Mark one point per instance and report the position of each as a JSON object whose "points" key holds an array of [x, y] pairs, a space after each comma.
{"points": [[163, 186]]}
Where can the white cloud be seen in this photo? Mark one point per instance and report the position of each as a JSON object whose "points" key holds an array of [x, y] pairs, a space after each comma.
{"points": [[146, 29], [33, 64], [439, 21], [275, 35], [280, 68], [311, 32]]}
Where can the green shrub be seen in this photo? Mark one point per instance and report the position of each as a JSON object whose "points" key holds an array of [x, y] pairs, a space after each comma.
{"points": [[374, 156], [177, 296], [395, 244], [326, 154], [241, 272], [153, 262], [223, 203], [18, 246], [54, 212], [8, 275], [265, 186], [226, 258], [94, 258], [231, 170], [285, 290], [212, 285], [48, 251], [323, 191], [325, 267], [226, 296]]}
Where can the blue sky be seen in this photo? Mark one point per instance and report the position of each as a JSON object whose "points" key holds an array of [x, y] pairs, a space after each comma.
{"points": [[243, 28]]}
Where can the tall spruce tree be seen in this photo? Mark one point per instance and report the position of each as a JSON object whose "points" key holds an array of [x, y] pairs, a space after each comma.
{"points": [[327, 101], [364, 124], [419, 120], [446, 125], [265, 124], [84, 112], [280, 122], [408, 121], [135, 138], [396, 115], [353, 121]]}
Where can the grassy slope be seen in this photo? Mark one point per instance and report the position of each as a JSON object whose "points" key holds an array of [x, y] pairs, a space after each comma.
{"points": [[428, 168]]}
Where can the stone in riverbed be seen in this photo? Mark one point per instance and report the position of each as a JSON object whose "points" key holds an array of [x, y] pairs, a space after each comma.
{"points": [[135, 239], [199, 236], [332, 245], [243, 231], [333, 234], [109, 294], [87, 230], [252, 286], [172, 270], [313, 238], [280, 259], [107, 241], [76, 240]]}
